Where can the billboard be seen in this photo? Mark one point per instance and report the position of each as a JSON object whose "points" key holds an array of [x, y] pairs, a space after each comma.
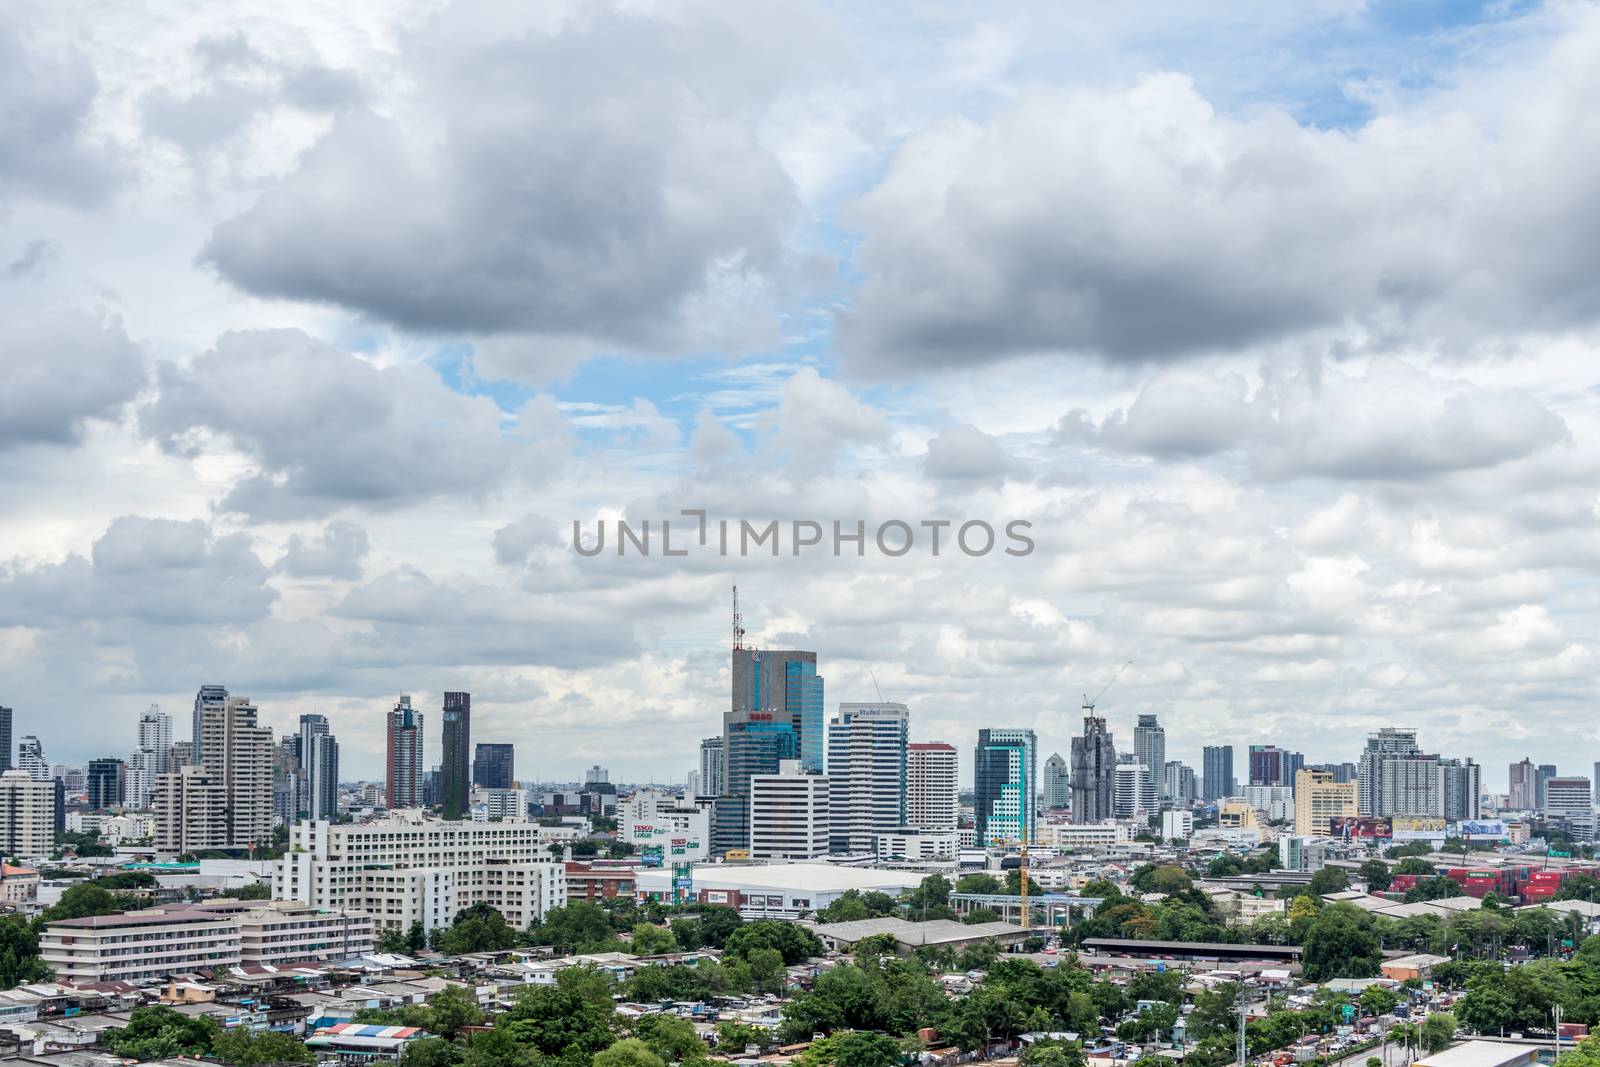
{"points": [[1479, 830], [1360, 827], [1411, 828]]}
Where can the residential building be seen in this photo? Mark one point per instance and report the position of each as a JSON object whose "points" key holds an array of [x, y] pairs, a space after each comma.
{"points": [[1541, 780], [138, 777], [455, 782], [494, 766], [30, 758], [191, 813], [866, 760], [281, 932], [18, 884], [136, 946], [1150, 752], [1181, 787], [103, 783], [1565, 797], [791, 814], [403, 780], [663, 828], [585, 881], [406, 869], [1318, 797], [319, 763], [499, 805], [1392, 778], [1134, 790], [1342, 772], [933, 794], [155, 737], [5, 739], [1177, 825], [1216, 773], [28, 811], [596, 775], [1005, 776], [712, 779], [288, 781], [1523, 791], [1057, 794], [1275, 803], [1094, 772], [1238, 816], [208, 696], [237, 753], [1271, 765], [184, 754], [1463, 789]]}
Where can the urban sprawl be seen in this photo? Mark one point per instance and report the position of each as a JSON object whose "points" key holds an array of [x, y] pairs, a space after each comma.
{"points": [[821, 891]]}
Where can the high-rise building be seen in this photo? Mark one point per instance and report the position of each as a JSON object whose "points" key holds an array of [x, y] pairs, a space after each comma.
{"points": [[866, 758], [1216, 773], [1524, 794], [184, 754], [596, 775], [28, 809], [1150, 750], [494, 766], [455, 783], [1133, 789], [791, 814], [138, 778], [1566, 797], [30, 758], [104, 783], [712, 779], [754, 742], [1005, 776], [155, 738], [5, 739], [1181, 787], [432, 788], [319, 763], [1389, 743], [1094, 772], [1271, 765], [237, 753], [208, 696], [770, 680], [1463, 789], [191, 811], [933, 793], [288, 781], [1318, 798], [403, 782], [1541, 781], [1057, 783]]}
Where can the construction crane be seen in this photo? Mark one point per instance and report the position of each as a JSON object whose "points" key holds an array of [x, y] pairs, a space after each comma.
{"points": [[1088, 704]]}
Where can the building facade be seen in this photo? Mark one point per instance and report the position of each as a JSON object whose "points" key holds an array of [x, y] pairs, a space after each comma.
{"points": [[664, 829], [1318, 798], [208, 696], [155, 737], [319, 765], [1150, 750], [455, 763], [28, 812], [866, 761], [1057, 784], [1005, 779], [190, 808], [712, 779], [403, 781], [1216, 773], [104, 782], [139, 945], [1094, 772], [30, 758], [237, 753], [791, 814], [933, 791], [494, 766]]}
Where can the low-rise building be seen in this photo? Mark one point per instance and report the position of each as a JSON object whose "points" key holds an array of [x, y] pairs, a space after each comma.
{"points": [[778, 891], [287, 931], [589, 882], [139, 945], [913, 845], [18, 884]]}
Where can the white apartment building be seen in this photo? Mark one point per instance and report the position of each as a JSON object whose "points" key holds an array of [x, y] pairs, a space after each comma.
{"points": [[499, 805], [191, 811], [139, 945], [238, 755], [407, 869], [27, 815], [790, 814], [916, 845], [678, 830], [287, 931], [1064, 836], [1134, 791], [1176, 825], [30, 758], [932, 791], [866, 762], [1274, 802]]}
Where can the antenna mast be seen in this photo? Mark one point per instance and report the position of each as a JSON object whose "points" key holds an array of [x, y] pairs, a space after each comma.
{"points": [[738, 622]]}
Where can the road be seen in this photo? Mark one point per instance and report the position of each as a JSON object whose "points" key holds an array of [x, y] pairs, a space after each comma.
{"points": [[1396, 1057]]}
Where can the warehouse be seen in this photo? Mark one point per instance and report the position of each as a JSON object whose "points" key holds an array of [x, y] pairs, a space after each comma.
{"points": [[778, 891]]}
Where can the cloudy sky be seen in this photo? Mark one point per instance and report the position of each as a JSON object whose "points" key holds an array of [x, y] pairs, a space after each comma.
{"points": [[321, 324]]}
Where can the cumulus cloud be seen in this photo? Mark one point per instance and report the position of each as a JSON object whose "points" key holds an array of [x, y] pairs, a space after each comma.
{"points": [[45, 147], [601, 180], [963, 455], [817, 419], [153, 571], [60, 368], [326, 428], [1145, 225], [337, 553]]}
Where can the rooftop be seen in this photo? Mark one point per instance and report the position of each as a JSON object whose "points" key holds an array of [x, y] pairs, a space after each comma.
{"points": [[148, 917], [1482, 1054], [914, 934], [816, 877]]}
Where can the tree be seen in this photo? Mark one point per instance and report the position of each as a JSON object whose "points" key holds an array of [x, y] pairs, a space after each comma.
{"points": [[1052, 1054], [1376, 1000], [629, 1052], [19, 953], [1376, 874], [430, 1052], [1157, 985], [717, 923], [1579, 887], [766, 969], [735, 1037], [794, 943], [581, 926], [479, 928], [671, 1038], [1438, 1030], [497, 1048], [416, 937], [1330, 880], [1339, 943], [649, 940], [930, 900], [253, 891], [242, 1047], [573, 1016], [981, 915], [1438, 888], [158, 1033], [81, 901], [1416, 867], [856, 1048], [978, 883], [1213, 1013]]}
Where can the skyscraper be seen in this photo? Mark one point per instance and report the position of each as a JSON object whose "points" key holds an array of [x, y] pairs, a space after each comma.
{"points": [[1463, 789], [1271, 765], [319, 764], [1181, 788], [30, 758], [1387, 744], [1005, 776], [712, 778], [5, 740], [28, 815], [776, 703], [1057, 783], [104, 783], [1133, 789], [288, 782], [933, 796], [455, 764], [494, 766], [1541, 784], [867, 769], [237, 754], [1216, 773], [791, 817], [754, 742], [1094, 772], [1150, 751], [1523, 792], [209, 696], [403, 779], [138, 778], [155, 738]]}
